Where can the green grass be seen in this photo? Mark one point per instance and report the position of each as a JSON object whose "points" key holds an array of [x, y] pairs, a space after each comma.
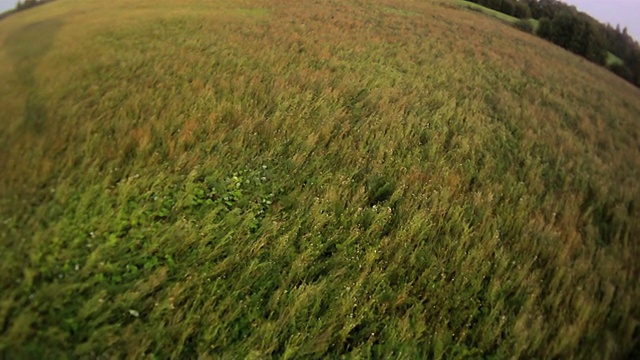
{"points": [[612, 59], [486, 10], [497, 14], [389, 179]]}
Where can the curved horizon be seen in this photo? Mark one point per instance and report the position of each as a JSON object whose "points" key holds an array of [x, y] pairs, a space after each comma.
{"points": [[625, 13]]}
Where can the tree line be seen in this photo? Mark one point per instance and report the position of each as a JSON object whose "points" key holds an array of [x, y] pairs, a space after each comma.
{"points": [[23, 5], [26, 4], [514, 8], [577, 32]]}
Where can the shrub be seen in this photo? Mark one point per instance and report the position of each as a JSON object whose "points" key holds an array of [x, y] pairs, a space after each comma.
{"points": [[524, 25], [544, 28]]}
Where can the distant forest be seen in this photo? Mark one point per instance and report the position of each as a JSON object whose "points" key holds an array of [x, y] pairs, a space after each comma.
{"points": [[577, 32]]}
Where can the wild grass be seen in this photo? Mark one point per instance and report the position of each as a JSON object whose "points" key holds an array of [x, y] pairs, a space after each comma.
{"points": [[611, 58], [494, 13], [389, 179]]}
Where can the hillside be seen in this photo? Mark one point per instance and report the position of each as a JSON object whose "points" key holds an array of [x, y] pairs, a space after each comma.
{"points": [[311, 179]]}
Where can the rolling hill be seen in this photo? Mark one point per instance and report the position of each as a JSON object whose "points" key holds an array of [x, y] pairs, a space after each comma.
{"points": [[311, 179]]}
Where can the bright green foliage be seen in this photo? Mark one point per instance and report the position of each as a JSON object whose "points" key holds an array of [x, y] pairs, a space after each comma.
{"points": [[303, 179], [613, 60]]}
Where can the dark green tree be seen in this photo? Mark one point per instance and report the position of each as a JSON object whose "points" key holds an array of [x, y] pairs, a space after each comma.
{"points": [[544, 28], [563, 27], [521, 10], [507, 7]]}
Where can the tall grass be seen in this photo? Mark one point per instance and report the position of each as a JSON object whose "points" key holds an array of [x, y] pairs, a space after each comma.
{"points": [[300, 179]]}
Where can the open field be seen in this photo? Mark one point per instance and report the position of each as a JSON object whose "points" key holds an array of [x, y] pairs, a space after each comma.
{"points": [[611, 58], [495, 13], [303, 179], [488, 11]]}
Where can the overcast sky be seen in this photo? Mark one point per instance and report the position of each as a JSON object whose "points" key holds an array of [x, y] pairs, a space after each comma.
{"points": [[7, 4], [623, 12]]}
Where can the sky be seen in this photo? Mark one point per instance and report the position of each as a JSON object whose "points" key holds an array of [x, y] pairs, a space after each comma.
{"points": [[7, 4], [623, 12]]}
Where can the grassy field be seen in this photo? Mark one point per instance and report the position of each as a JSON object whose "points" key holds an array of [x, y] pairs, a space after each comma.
{"points": [[497, 14], [611, 58], [303, 179]]}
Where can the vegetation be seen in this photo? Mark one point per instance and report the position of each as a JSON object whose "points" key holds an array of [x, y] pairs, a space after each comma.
{"points": [[488, 11], [583, 35], [575, 31], [524, 25], [515, 8], [23, 5], [304, 179], [27, 4], [577, 35], [517, 23]]}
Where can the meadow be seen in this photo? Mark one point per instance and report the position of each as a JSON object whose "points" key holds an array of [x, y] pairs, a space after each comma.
{"points": [[494, 13], [535, 24], [311, 179]]}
